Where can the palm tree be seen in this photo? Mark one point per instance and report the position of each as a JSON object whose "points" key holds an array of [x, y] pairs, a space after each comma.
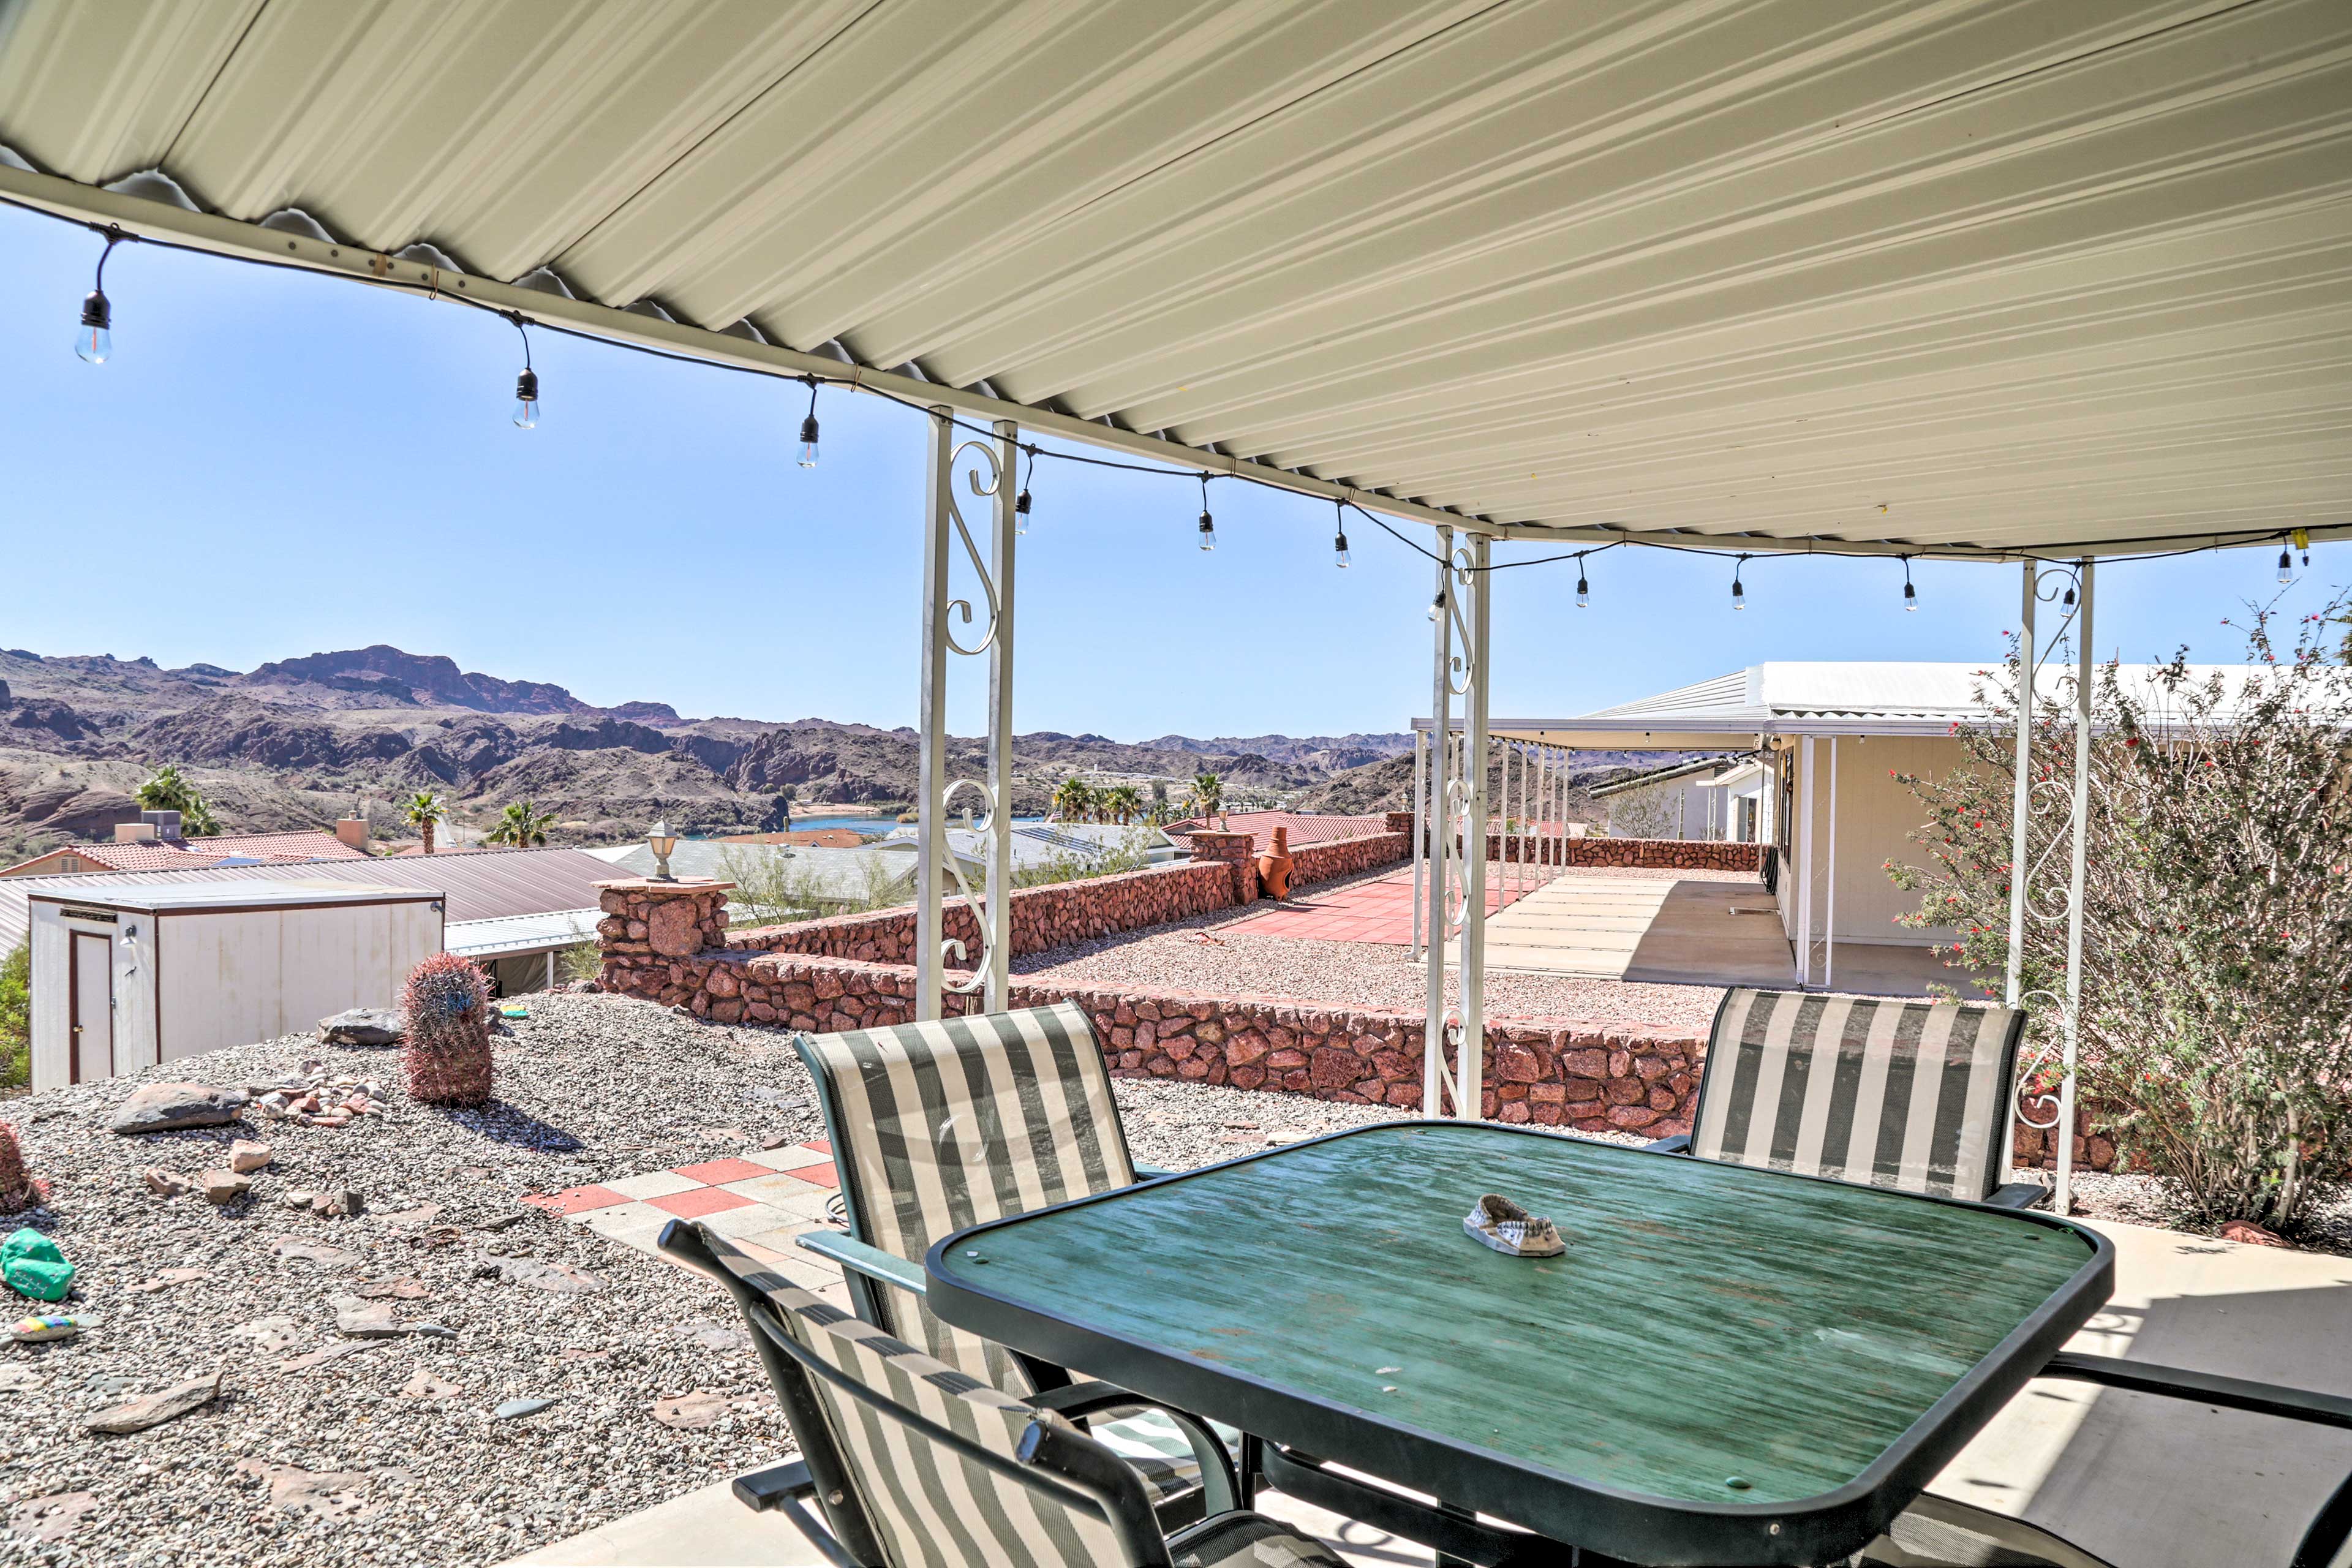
{"points": [[1124, 803], [522, 824], [1208, 795], [169, 790], [424, 811], [1073, 799]]}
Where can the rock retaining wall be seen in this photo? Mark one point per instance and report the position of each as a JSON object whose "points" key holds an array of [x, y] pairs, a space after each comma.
{"points": [[1660, 854]]}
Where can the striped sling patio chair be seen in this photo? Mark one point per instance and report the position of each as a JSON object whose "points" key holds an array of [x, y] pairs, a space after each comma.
{"points": [[937, 1126], [911, 1463], [1890, 1091]]}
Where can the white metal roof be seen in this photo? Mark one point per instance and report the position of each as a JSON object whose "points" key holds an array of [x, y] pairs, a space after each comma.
{"points": [[1812, 698], [521, 933], [1962, 276], [98, 892]]}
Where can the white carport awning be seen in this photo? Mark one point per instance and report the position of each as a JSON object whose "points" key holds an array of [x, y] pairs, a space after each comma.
{"points": [[1952, 278]]}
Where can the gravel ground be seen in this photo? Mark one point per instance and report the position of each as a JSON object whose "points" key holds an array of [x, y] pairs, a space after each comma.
{"points": [[1200, 954], [2147, 1200], [588, 1088], [332, 1463]]}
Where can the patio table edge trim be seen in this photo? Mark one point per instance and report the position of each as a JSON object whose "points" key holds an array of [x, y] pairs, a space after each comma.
{"points": [[1645, 1528]]}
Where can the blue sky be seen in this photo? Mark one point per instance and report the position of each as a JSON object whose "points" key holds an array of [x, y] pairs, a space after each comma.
{"points": [[273, 465]]}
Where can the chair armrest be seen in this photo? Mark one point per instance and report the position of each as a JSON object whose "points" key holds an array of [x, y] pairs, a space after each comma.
{"points": [[1220, 1485], [763, 1489], [874, 1263], [2019, 1196], [1678, 1144], [1153, 1172], [2203, 1387]]}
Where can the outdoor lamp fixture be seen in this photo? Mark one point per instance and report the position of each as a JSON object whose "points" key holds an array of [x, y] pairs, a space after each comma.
{"points": [[95, 340], [1021, 502], [1910, 595], [1208, 523], [526, 410], [808, 428], [1583, 588], [1738, 590], [1340, 542], [1436, 606], [661, 841], [2287, 565]]}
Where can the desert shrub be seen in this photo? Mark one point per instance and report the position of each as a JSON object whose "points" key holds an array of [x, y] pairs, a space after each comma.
{"points": [[16, 1017], [775, 885], [2217, 959], [581, 961], [446, 1051], [1132, 853]]}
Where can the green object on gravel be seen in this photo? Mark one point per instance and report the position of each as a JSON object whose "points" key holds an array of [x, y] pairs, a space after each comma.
{"points": [[33, 1265]]}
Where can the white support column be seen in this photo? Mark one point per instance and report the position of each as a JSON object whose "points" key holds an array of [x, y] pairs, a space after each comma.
{"points": [[931, 769], [2020, 861], [550, 969], [999, 729], [2064, 1195], [1829, 918], [1420, 834], [1801, 850], [1470, 1071], [1442, 816], [935, 862]]}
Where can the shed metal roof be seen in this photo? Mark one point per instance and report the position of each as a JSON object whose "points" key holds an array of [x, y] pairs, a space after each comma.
{"points": [[109, 893], [1980, 276], [497, 882]]}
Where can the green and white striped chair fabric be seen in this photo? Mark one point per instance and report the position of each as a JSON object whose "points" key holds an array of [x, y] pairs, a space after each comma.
{"points": [[1894, 1092], [941, 1125], [929, 1506]]}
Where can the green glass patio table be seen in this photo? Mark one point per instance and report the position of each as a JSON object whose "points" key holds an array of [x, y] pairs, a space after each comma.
{"points": [[1728, 1365]]}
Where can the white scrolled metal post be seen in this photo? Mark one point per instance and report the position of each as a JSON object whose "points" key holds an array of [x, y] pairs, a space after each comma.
{"points": [[1441, 830], [2077, 874], [2021, 814], [930, 771], [1000, 727], [1470, 1075], [1829, 916], [1420, 833], [1800, 848]]}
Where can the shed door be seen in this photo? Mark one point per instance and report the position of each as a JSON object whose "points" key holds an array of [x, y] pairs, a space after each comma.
{"points": [[93, 1007]]}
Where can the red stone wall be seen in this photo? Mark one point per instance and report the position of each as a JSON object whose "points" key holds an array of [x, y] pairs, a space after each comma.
{"points": [[1664, 854], [1347, 857], [1594, 1074]]}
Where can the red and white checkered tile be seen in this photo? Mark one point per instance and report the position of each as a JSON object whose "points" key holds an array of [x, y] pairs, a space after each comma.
{"points": [[764, 1199]]}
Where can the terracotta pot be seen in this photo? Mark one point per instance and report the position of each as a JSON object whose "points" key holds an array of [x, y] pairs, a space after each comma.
{"points": [[1273, 867]]}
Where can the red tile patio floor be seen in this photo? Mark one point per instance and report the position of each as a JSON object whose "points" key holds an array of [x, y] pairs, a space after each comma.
{"points": [[1378, 911]]}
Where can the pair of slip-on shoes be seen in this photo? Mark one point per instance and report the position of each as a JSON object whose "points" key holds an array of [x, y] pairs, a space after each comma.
{"points": [[1511, 1230]]}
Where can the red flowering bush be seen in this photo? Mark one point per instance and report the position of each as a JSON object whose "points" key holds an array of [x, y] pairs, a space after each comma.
{"points": [[2217, 951], [446, 1051], [17, 1188]]}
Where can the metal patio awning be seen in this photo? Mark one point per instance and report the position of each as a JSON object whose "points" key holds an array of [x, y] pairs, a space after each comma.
{"points": [[1973, 277]]}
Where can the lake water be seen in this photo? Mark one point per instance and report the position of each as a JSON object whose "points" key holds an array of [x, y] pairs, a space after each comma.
{"points": [[864, 824]]}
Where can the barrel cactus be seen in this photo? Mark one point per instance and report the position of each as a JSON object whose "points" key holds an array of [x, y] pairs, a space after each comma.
{"points": [[447, 1049], [17, 1188]]}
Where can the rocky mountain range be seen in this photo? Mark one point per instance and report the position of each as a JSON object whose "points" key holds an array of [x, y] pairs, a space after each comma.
{"points": [[299, 741]]}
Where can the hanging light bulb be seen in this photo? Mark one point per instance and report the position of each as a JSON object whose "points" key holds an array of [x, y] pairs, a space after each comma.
{"points": [[1436, 606], [526, 408], [2287, 566], [1208, 523], [2069, 600], [808, 428], [1021, 502], [94, 342], [1583, 588], [1340, 540], [1739, 589], [1910, 595]]}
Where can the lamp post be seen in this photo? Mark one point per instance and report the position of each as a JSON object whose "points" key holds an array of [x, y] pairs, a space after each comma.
{"points": [[661, 841]]}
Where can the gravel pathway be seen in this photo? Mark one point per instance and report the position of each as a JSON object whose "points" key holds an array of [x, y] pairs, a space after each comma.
{"points": [[1200, 954]]}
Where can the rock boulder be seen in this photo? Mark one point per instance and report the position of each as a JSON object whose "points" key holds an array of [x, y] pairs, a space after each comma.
{"points": [[362, 1026], [167, 1107]]}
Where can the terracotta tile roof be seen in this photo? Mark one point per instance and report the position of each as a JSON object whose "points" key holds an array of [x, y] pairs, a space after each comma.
{"points": [[1305, 827], [182, 854]]}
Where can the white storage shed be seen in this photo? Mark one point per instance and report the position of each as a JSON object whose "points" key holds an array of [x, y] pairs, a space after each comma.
{"points": [[127, 975]]}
